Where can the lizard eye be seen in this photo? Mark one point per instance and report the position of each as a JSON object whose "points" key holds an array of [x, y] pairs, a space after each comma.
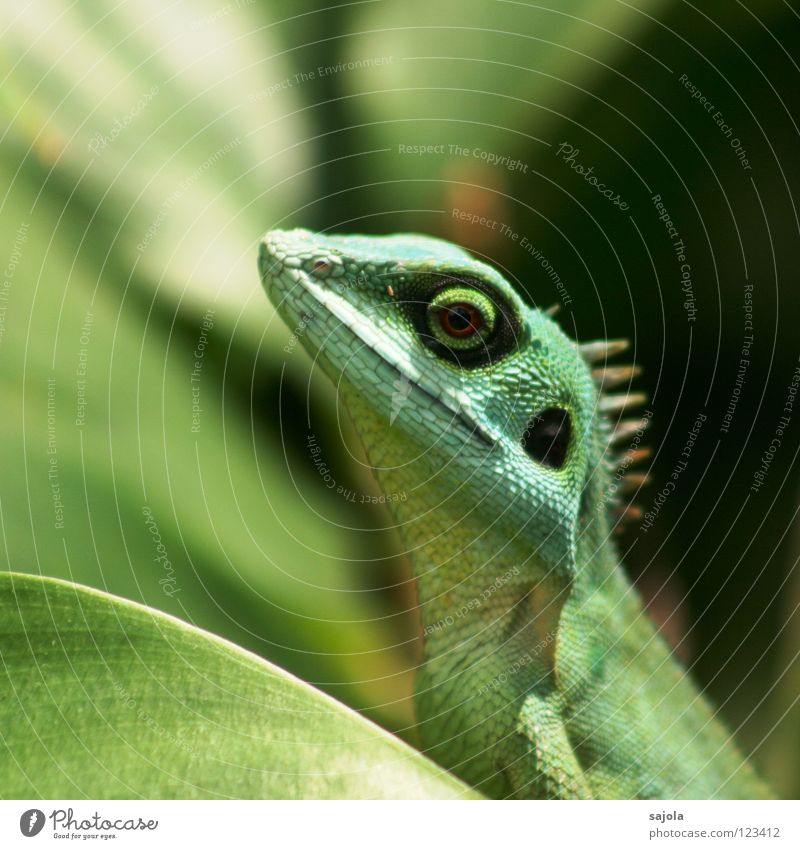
{"points": [[461, 318]]}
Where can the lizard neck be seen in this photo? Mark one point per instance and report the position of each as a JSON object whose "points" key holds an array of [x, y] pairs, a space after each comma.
{"points": [[489, 605]]}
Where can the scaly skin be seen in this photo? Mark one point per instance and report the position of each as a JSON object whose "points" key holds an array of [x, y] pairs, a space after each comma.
{"points": [[542, 676]]}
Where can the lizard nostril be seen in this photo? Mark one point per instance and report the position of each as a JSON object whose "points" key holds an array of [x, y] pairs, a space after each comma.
{"points": [[547, 437]]}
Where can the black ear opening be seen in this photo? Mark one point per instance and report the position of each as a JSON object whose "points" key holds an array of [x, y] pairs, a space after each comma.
{"points": [[547, 437]]}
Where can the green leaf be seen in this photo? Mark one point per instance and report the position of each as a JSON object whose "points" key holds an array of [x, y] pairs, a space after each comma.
{"points": [[103, 698]]}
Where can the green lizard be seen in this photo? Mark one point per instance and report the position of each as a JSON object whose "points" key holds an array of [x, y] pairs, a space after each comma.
{"points": [[542, 676]]}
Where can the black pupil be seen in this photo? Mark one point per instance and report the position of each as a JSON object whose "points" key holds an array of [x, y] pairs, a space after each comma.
{"points": [[460, 318], [547, 437]]}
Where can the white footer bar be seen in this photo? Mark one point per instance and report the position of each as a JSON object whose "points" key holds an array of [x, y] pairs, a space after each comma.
{"points": [[400, 825]]}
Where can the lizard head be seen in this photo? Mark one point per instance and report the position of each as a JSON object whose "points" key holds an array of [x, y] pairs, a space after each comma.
{"points": [[447, 373]]}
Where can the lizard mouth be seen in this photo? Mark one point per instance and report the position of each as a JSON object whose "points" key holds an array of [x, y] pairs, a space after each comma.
{"points": [[459, 415], [451, 401]]}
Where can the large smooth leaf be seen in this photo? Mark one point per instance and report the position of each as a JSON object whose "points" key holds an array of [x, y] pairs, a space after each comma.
{"points": [[103, 698]]}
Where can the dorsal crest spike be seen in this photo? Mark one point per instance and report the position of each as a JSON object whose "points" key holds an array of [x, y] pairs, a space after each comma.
{"points": [[617, 403], [626, 515], [639, 455], [613, 376], [626, 429], [601, 349], [633, 482]]}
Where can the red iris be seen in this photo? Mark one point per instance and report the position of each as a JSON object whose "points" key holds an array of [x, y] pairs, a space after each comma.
{"points": [[461, 319]]}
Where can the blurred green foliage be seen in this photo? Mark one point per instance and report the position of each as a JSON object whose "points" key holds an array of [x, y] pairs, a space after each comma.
{"points": [[141, 705], [145, 149]]}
